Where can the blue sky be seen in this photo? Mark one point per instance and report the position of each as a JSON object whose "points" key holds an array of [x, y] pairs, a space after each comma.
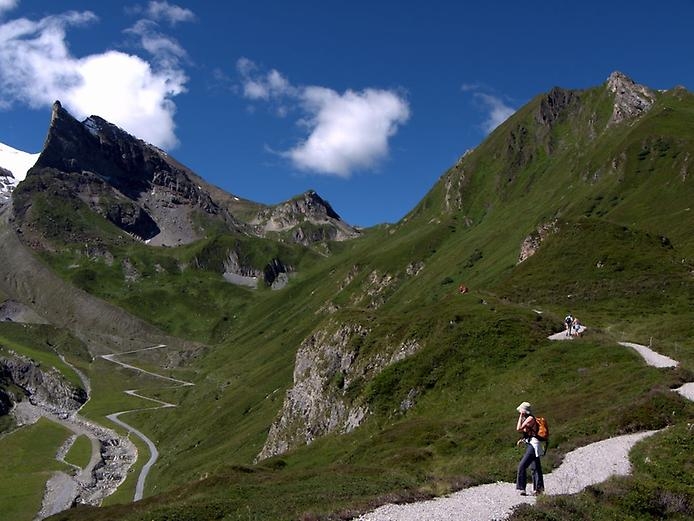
{"points": [[367, 102]]}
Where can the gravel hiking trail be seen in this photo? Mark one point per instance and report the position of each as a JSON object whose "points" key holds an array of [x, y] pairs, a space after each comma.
{"points": [[495, 501], [154, 453]]}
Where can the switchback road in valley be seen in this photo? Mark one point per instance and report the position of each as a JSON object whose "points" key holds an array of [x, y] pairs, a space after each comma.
{"points": [[115, 417]]}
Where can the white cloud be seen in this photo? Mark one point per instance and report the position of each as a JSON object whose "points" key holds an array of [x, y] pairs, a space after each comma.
{"points": [[497, 111], [164, 48], [348, 131], [37, 68], [170, 13], [345, 132], [7, 5], [262, 86]]}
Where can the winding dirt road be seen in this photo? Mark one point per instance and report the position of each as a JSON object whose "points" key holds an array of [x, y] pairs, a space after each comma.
{"points": [[112, 454], [154, 453]]}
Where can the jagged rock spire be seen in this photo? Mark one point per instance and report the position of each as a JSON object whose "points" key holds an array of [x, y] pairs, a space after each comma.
{"points": [[631, 100]]}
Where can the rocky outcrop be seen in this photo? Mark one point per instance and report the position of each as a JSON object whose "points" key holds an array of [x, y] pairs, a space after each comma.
{"points": [[7, 400], [532, 242], [553, 105], [307, 218], [275, 273], [631, 100], [45, 387], [275, 270], [327, 364], [135, 185], [7, 183], [13, 311], [375, 290]]}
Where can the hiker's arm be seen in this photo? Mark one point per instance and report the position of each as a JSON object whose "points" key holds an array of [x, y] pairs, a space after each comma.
{"points": [[520, 424], [524, 424]]}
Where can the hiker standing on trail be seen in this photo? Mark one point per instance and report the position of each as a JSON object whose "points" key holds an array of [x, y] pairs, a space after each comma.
{"points": [[576, 327], [568, 323], [528, 425]]}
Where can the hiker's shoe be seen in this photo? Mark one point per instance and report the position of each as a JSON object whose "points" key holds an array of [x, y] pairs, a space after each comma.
{"points": [[538, 492], [522, 493]]}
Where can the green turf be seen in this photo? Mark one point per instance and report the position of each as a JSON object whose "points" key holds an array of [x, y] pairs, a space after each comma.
{"points": [[80, 452], [28, 462]]}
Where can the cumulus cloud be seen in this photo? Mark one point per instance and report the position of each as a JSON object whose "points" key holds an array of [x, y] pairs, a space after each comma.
{"points": [[262, 86], [37, 68], [345, 132], [163, 48], [497, 110], [173, 14], [348, 131], [7, 5]]}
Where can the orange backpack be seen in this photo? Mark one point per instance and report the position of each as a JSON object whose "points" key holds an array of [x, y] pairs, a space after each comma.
{"points": [[542, 428]]}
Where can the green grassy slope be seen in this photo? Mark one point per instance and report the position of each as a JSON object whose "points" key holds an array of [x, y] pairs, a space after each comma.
{"points": [[28, 461], [620, 259]]}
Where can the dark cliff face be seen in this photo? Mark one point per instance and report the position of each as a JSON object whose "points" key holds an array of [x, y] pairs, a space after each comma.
{"points": [[554, 104], [136, 186], [142, 190]]}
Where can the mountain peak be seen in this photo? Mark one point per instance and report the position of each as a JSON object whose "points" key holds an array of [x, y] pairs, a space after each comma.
{"points": [[308, 217], [631, 99]]}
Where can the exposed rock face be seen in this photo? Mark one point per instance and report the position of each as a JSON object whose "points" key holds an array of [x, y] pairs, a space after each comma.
{"points": [[6, 400], [7, 183], [44, 387], [327, 363], [533, 241], [136, 186], [315, 405], [273, 270], [309, 218], [274, 273], [13, 311], [631, 100], [553, 105]]}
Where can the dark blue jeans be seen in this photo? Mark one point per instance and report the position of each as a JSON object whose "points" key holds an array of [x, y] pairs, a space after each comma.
{"points": [[530, 460]]}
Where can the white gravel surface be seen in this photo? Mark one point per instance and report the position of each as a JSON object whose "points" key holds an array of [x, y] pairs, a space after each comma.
{"points": [[687, 390], [650, 356], [582, 467]]}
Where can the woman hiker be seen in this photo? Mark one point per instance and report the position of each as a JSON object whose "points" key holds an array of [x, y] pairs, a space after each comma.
{"points": [[533, 450]]}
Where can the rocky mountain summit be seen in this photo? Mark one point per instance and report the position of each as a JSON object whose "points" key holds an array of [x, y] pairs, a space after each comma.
{"points": [[308, 218], [148, 194], [631, 99], [134, 185]]}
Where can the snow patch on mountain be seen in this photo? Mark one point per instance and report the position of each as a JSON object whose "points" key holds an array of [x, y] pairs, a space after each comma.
{"points": [[14, 165]]}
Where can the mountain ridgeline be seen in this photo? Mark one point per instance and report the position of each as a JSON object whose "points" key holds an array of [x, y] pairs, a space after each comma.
{"points": [[92, 174], [359, 372]]}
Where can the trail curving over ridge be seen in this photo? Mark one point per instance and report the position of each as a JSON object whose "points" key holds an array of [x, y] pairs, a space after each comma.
{"points": [[115, 417]]}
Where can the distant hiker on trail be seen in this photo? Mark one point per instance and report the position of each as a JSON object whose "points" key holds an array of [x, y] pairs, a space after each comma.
{"points": [[576, 325], [529, 426], [568, 323]]}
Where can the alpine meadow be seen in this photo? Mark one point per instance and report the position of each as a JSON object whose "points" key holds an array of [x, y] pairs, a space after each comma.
{"points": [[273, 362]]}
